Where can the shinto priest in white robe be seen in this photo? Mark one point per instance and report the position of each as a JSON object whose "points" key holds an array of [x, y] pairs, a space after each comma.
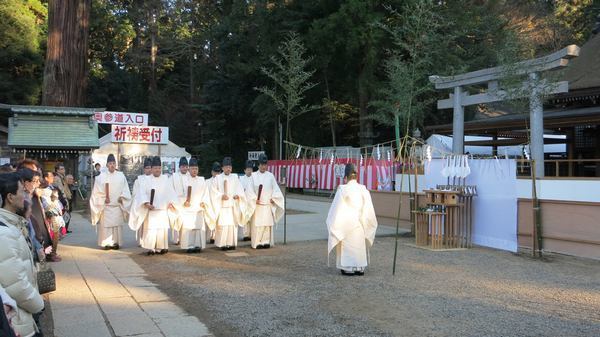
{"points": [[351, 223], [156, 222], [246, 181], [180, 184], [110, 217], [229, 213], [211, 219], [192, 217], [137, 186], [263, 213]]}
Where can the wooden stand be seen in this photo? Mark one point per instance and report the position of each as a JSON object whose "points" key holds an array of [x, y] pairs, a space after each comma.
{"points": [[447, 222]]}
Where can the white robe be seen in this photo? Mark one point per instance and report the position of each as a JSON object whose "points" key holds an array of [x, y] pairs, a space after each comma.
{"points": [[180, 183], [229, 213], [156, 222], [133, 215], [211, 217], [110, 217], [351, 223], [262, 213], [246, 181], [191, 224]]}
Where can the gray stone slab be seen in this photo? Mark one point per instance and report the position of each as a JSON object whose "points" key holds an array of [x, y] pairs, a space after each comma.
{"points": [[135, 281], [184, 326], [164, 309], [147, 294], [132, 323], [89, 315], [61, 301], [79, 330], [115, 306]]}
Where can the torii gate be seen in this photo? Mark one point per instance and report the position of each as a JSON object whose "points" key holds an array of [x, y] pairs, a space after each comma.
{"points": [[531, 68]]}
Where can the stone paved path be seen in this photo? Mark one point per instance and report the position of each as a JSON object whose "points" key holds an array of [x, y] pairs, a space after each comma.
{"points": [[104, 294]]}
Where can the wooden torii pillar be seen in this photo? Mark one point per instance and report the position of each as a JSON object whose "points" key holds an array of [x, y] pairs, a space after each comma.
{"points": [[532, 88]]}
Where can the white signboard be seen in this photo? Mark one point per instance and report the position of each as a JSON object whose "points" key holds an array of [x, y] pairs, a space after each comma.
{"points": [[140, 134], [253, 155], [339, 170], [121, 118]]}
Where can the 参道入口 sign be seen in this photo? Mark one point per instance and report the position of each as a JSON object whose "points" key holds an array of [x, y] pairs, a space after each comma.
{"points": [[122, 118]]}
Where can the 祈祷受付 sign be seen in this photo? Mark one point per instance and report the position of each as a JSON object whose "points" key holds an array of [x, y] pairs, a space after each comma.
{"points": [[140, 134], [122, 118]]}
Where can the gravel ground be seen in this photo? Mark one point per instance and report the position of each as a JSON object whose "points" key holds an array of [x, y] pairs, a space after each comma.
{"points": [[290, 291]]}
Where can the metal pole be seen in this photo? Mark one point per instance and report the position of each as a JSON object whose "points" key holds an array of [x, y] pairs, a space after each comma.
{"points": [[458, 123], [536, 120]]}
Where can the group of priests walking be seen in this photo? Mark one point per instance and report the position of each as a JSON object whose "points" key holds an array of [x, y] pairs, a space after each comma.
{"points": [[198, 211], [194, 209]]}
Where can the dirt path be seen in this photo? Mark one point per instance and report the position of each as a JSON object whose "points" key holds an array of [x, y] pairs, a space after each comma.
{"points": [[290, 291]]}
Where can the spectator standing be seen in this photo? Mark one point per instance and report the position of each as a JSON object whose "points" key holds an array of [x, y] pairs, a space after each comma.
{"points": [[18, 276], [60, 182]]}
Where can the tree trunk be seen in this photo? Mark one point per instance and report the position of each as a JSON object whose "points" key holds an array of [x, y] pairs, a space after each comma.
{"points": [[65, 72]]}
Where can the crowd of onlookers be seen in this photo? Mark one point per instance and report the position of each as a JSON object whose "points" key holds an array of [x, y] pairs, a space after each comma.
{"points": [[35, 215]]}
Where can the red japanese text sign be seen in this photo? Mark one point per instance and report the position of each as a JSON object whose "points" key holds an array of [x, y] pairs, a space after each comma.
{"points": [[140, 134]]}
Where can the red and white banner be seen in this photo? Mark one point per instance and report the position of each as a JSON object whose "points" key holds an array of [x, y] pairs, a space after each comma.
{"points": [[121, 118], [328, 175], [140, 134]]}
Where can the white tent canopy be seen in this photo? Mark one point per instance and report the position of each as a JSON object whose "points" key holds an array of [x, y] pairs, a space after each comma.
{"points": [[168, 153], [442, 145]]}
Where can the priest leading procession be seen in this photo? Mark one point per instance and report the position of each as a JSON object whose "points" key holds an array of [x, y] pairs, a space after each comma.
{"points": [[191, 212]]}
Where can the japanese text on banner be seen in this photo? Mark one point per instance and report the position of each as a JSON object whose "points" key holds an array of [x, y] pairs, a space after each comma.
{"points": [[140, 134]]}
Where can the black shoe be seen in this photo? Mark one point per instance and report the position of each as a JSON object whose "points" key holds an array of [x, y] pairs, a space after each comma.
{"points": [[163, 251], [212, 241], [231, 248], [69, 232], [115, 246], [259, 247], [267, 246], [107, 247], [197, 250], [150, 252], [359, 273], [347, 273], [225, 248], [246, 238], [190, 250]]}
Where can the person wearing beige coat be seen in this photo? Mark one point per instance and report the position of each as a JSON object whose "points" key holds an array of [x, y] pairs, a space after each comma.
{"points": [[18, 276]]}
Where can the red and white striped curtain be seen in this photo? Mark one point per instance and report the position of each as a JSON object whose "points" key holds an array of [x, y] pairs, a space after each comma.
{"points": [[315, 174]]}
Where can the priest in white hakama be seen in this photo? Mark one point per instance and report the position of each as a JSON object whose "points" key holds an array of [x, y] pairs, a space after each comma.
{"points": [[137, 185], [180, 183], [265, 205], [229, 206], [246, 181], [109, 205], [211, 219], [351, 223], [193, 211], [154, 202]]}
